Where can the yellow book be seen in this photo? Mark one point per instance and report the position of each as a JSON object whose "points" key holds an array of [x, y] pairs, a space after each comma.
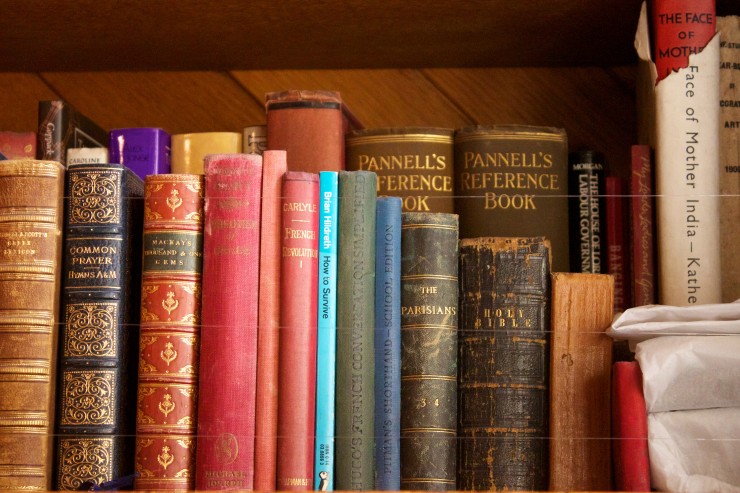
{"points": [[188, 150]]}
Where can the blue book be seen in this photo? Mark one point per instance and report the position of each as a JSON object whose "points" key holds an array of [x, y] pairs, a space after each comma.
{"points": [[388, 344], [327, 332]]}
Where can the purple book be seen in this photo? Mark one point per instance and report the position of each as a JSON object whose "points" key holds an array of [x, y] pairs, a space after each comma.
{"points": [[146, 151]]}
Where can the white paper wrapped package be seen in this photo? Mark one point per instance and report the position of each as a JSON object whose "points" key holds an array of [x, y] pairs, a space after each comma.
{"points": [[690, 372], [695, 451]]}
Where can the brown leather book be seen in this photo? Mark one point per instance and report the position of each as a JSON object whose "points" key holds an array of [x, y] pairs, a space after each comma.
{"points": [[580, 382], [170, 332], [31, 213]]}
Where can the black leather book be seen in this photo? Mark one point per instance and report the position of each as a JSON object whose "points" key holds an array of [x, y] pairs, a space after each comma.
{"points": [[504, 364], [62, 127], [101, 284], [429, 294]]}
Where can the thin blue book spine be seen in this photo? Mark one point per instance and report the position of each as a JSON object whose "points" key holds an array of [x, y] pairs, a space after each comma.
{"points": [[327, 332], [388, 344]]}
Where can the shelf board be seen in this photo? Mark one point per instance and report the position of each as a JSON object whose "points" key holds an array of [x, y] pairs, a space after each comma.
{"points": [[94, 35]]}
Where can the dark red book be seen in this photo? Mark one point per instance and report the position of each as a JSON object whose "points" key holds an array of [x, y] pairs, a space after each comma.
{"points": [[298, 322], [228, 350], [629, 428], [18, 145], [642, 226], [268, 336], [617, 245], [310, 126]]}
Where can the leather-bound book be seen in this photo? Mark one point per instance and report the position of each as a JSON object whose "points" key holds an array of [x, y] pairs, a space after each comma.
{"points": [[580, 379], [298, 319], [355, 388], [144, 150], [189, 150], [308, 125], [169, 336], [414, 163], [18, 145], [512, 181], [268, 336], [100, 325], [31, 214], [504, 363], [429, 316], [61, 126], [228, 340]]}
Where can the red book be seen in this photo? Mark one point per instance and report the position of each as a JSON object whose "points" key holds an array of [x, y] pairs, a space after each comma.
{"points": [[310, 126], [629, 428], [228, 351], [617, 251], [642, 227], [18, 145], [268, 336], [298, 322]]}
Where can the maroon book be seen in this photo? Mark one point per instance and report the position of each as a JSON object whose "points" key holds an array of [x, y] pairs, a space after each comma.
{"points": [[642, 227], [310, 126], [18, 145], [298, 322], [228, 351], [617, 246], [629, 428], [268, 337]]}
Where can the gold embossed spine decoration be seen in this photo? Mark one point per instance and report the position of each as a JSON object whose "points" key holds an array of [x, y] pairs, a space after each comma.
{"points": [[31, 194]]}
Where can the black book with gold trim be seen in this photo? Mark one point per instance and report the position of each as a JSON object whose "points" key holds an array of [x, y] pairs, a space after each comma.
{"points": [[101, 282]]}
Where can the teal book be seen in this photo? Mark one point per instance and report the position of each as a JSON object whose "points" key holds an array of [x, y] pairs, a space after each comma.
{"points": [[326, 353]]}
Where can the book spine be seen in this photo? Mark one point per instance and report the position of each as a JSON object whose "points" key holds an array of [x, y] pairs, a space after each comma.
{"points": [[326, 356], [31, 213], [729, 154], [18, 145], [268, 335], [629, 429], [504, 363], [100, 329], [61, 127], [687, 151], [188, 151], [580, 378], [228, 341], [429, 309], [586, 212], [309, 126], [642, 227], [414, 163], [146, 151], [388, 344], [87, 155], [617, 243], [254, 140], [355, 388], [512, 181], [169, 337], [298, 332]]}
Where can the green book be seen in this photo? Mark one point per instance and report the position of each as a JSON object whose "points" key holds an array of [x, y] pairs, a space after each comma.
{"points": [[355, 431]]}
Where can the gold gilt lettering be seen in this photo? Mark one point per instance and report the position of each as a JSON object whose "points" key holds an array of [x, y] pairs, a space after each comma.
{"points": [[300, 252], [428, 310], [301, 234], [414, 183], [299, 207], [92, 250], [92, 261], [402, 162], [508, 159]]}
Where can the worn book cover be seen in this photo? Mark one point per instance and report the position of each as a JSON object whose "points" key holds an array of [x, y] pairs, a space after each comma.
{"points": [[61, 126], [187, 151]]}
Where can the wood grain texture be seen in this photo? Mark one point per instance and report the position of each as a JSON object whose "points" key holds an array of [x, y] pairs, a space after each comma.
{"points": [[187, 35], [19, 97], [580, 382]]}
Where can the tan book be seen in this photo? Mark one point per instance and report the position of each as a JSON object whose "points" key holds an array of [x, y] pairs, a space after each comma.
{"points": [[31, 194], [580, 382], [188, 150]]}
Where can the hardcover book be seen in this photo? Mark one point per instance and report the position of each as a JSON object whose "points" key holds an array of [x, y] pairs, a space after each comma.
{"points": [[326, 355], [228, 341], [146, 151], [18, 145], [642, 227], [414, 163], [298, 321], [429, 345], [61, 127], [504, 363], [580, 379], [355, 387], [617, 242], [388, 344], [188, 151], [31, 214], [87, 155], [586, 204], [268, 336], [309, 126], [100, 325], [512, 181], [254, 140], [166, 409]]}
